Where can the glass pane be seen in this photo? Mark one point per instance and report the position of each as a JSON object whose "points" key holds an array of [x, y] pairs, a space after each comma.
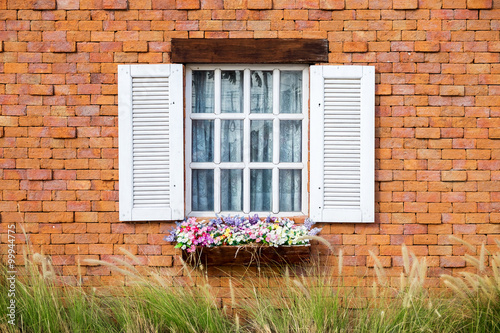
{"points": [[232, 92], [232, 141], [260, 190], [290, 190], [261, 92], [261, 141], [291, 92], [203, 140], [203, 190], [203, 92], [290, 141], [231, 190]]}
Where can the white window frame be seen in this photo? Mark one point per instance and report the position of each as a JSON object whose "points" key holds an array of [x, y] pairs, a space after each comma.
{"points": [[246, 116]]}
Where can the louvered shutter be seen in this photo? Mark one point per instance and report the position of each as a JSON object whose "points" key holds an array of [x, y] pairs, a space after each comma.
{"points": [[342, 143], [150, 116]]}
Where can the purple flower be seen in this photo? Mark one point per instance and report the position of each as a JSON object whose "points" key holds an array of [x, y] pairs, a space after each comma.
{"points": [[216, 222], [254, 219], [308, 223], [270, 219], [172, 236], [314, 231]]}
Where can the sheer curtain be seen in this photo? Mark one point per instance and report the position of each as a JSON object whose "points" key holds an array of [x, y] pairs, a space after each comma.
{"points": [[291, 92], [261, 150], [290, 151], [203, 141], [231, 151], [261, 141]]}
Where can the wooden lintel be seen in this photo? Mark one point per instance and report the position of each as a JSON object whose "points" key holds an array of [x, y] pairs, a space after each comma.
{"points": [[250, 51]]}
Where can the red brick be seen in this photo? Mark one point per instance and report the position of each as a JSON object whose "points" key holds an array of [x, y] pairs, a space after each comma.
{"points": [[448, 261], [115, 4], [68, 4], [62, 132], [405, 4], [122, 228], [31, 4], [430, 133], [163, 4], [100, 249], [354, 239], [188, 4], [451, 176], [62, 239], [452, 90], [412, 229], [479, 4], [160, 260], [260, 4], [39, 174]]}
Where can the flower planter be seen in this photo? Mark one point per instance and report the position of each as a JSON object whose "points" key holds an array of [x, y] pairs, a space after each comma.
{"points": [[249, 255]]}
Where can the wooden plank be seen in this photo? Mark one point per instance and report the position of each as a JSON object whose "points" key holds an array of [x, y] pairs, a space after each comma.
{"points": [[250, 51], [248, 255]]}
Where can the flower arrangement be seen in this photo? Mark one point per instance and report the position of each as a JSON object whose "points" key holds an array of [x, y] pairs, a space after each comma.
{"points": [[238, 231]]}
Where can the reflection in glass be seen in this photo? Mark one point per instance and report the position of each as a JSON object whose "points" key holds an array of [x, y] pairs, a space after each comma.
{"points": [[290, 141], [291, 92], [203, 190], [232, 92], [231, 190], [261, 92], [290, 190], [232, 141], [203, 140], [261, 141], [203, 92], [260, 189]]}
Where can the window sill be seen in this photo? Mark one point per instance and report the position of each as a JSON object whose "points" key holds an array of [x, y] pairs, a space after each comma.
{"points": [[249, 255]]}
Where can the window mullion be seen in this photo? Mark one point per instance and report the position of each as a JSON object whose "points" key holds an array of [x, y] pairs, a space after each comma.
{"points": [[246, 141], [217, 135], [276, 141], [188, 140], [305, 139]]}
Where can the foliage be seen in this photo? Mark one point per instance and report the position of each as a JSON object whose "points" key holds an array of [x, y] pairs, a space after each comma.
{"points": [[302, 299]]}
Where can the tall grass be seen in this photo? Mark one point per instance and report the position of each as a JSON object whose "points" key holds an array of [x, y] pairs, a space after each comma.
{"points": [[408, 308], [479, 292], [43, 305], [153, 304], [309, 298]]}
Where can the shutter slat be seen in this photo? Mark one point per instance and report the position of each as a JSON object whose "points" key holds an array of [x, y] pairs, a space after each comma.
{"points": [[337, 94], [150, 94]]}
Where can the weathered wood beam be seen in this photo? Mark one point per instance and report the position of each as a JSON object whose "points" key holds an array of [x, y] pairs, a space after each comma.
{"points": [[250, 51]]}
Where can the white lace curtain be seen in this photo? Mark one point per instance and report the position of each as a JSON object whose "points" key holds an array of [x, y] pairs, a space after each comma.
{"points": [[261, 141]]}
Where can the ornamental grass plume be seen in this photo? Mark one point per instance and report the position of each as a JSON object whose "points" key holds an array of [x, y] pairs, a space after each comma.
{"points": [[479, 292], [301, 298]]}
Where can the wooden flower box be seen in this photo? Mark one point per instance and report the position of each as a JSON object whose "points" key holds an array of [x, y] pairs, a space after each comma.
{"points": [[249, 255]]}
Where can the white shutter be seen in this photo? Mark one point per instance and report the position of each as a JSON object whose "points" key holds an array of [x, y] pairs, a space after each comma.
{"points": [[342, 144], [151, 141]]}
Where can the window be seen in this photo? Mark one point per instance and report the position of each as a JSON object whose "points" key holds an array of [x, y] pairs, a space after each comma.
{"points": [[246, 140], [242, 144]]}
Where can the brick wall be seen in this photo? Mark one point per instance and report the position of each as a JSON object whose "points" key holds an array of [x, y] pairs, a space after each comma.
{"points": [[437, 118]]}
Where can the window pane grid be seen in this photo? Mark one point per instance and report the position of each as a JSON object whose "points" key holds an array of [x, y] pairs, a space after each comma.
{"points": [[242, 183]]}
